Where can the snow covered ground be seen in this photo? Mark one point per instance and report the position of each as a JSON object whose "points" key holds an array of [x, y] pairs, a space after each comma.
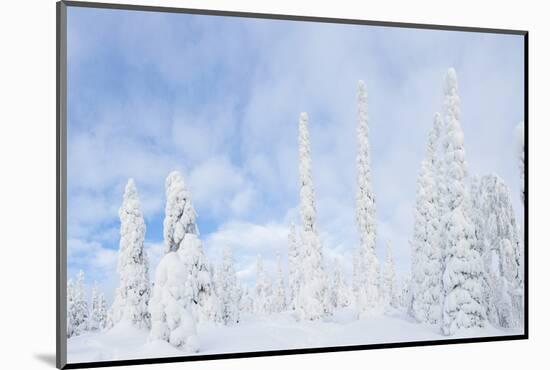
{"points": [[275, 332]]}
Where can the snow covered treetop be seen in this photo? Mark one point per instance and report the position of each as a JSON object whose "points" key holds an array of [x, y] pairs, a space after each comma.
{"points": [[362, 104], [362, 87], [434, 135], [130, 200], [180, 214], [451, 84]]}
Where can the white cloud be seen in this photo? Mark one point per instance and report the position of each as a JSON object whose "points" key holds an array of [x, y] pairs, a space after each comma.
{"points": [[96, 260]]}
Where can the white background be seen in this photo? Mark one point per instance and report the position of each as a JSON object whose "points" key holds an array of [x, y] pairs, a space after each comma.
{"points": [[27, 193]]}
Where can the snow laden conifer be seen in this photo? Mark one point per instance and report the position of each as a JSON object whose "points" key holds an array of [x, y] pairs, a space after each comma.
{"points": [[389, 283], [313, 288], [246, 304], [366, 265], [405, 293], [462, 277], [228, 289], [293, 267], [183, 291], [339, 292], [98, 311], [77, 306], [71, 309], [132, 295], [499, 245], [263, 290], [427, 269], [279, 292]]}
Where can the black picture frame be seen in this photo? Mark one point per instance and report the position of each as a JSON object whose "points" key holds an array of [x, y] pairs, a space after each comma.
{"points": [[61, 186]]}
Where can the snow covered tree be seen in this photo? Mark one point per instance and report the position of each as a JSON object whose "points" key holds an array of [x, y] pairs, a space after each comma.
{"points": [[313, 287], [263, 291], [173, 318], [183, 291], [521, 157], [279, 293], [367, 266], [180, 215], [98, 314], [389, 284], [462, 277], [405, 293], [71, 309], [228, 289], [179, 222], [246, 302], [340, 295], [427, 268], [293, 267], [77, 306], [132, 295], [499, 245]]}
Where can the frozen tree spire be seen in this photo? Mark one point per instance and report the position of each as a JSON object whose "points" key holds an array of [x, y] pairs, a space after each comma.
{"points": [[293, 267], [180, 214], [98, 314], [499, 245], [307, 193], [368, 268], [426, 241], [339, 291], [77, 306], [313, 287], [365, 211], [279, 293], [132, 296], [70, 309], [462, 277], [228, 289], [183, 292], [389, 283], [247, 302], [263, 291]]}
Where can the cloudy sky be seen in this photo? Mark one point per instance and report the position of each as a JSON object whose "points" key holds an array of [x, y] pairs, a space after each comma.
{"points": [[218, 99]]}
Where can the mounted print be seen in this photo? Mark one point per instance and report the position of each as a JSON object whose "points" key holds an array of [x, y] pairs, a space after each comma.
{"points": [[235, 184]]}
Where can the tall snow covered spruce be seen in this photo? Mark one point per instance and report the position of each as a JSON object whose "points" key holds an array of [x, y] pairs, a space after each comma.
{"points": [[499, 245], [293, 267], [132, 295], [462, 276], [389, 283], [279, 290], [367, 266], [98, 311], [340, 295], [228, 289], [426, 242], [263, 296], [77, 306], [311, 302], [183, 291]]}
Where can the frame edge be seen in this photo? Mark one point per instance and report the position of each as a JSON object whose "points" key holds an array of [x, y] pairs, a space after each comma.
{"points": [[61, 184]]}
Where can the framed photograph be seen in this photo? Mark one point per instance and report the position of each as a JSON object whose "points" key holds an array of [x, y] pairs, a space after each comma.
{"points": [[234, 184]]}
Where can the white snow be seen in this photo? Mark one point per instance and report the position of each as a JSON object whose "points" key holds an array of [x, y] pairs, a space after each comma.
{"points": [[274, 332]]}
